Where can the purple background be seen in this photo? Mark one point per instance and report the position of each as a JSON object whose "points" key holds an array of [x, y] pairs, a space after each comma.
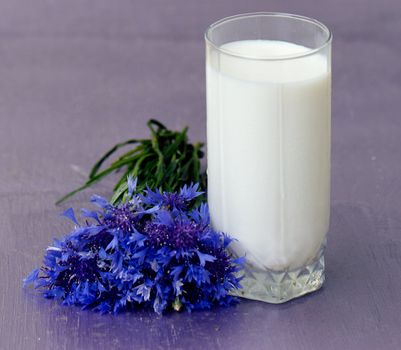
{"points": [[78, 76]]}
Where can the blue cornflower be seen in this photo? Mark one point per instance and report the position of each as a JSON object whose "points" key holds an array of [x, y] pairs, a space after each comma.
{"points": [[172, 200], [151, 250], [177, 235]]}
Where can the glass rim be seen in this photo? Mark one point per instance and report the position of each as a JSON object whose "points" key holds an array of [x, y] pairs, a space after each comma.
{"points": [[313, 21]]}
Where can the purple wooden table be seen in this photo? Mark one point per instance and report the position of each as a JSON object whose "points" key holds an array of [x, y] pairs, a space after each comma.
{"points": [[78, 76]]}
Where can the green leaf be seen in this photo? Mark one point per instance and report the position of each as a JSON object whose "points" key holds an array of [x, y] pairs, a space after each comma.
{"points": [[166, 161], [99, 163]]}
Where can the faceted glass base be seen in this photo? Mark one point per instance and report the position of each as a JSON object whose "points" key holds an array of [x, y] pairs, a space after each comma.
{"points": [[280, 286]]}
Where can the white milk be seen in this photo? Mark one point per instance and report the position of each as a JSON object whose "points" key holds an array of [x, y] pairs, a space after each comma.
{"points": [[268, 124]]}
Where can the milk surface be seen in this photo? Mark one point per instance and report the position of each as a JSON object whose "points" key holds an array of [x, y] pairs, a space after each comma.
{"points": [[268, 124]]}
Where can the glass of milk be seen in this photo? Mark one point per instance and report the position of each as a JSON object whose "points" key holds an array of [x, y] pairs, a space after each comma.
{"points": [[268, 138]]}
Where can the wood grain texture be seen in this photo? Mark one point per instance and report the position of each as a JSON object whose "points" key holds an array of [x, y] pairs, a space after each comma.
{"points": [[78, 76]]}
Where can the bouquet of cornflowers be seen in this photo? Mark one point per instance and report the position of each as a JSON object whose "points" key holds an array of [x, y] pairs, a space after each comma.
{"points": [[153, 249]]}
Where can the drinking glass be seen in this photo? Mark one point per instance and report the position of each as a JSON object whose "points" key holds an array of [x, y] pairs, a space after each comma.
{"points": [[268, 80]]}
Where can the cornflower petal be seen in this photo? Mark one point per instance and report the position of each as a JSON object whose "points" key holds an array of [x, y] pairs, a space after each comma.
{"points": [[32, 277], [131, 185], [69, 213]]}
